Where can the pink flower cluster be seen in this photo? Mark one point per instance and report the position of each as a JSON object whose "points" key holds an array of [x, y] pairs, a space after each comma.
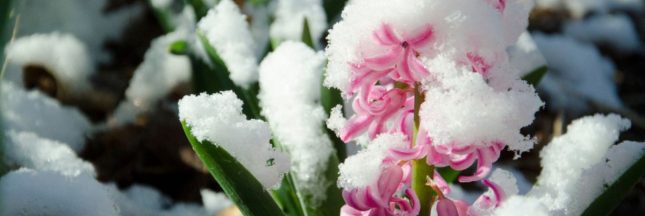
{"points": [[383, 84]]}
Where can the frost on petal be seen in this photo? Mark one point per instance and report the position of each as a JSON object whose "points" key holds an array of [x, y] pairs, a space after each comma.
{"points": [[464, 110], [364, 168], [290, 91], [577, 73], [29, 192], [228, 32], [35, 112], [617, 31], [154, 79], [218, 118], [62, 55], [290, 16], [28, 150]]}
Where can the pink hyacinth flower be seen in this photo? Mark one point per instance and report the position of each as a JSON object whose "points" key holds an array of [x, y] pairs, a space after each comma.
{"points": [[500, 5], [401, 54], [382, 199]]}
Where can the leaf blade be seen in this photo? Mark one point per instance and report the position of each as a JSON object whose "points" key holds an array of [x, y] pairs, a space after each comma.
{"points": [[614, 194], [236, 181]]}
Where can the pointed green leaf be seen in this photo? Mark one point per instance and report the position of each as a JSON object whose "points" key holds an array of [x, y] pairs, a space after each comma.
{"points": [[217, 78], [306, 34], [236, 181], [605, 203], [200, 8], [535, 76]]}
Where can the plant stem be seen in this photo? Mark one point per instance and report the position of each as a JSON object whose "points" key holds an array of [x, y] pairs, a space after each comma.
{"points": [[420, 169]]}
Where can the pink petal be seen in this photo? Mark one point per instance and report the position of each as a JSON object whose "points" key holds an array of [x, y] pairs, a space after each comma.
{"points": [[354, 126], [422, 39], [385, 36], [446, 207], [497, 191], [441, 183], [384, 61]]}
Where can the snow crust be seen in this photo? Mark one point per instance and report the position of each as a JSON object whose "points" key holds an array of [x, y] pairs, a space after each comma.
{"points": [[218, 118]]}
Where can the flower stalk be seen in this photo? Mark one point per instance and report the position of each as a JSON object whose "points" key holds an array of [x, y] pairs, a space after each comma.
{"points": [[420, 169]]}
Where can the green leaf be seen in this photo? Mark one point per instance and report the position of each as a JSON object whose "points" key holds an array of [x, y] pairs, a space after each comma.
{"points": [[330, 98], [200, 8], [236, 181], [306, 34], [333, 8], [448, 174], [179, 47], [614, 194], [216, 77], [535, 76]]}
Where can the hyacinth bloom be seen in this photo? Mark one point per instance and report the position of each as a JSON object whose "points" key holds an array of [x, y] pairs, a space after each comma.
{"points": [[433, 82]]}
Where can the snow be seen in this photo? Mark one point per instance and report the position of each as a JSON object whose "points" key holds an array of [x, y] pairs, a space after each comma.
{"points": [[577, 74], [63, 55], [364, 168], [218, 118], [29, 192], [214, 202], [28, 150], [35, 112], [84, 19], [154, 79], [259, 26], [141, 200], [290, 80], [461, 103], [459, 27], [289, 20], [615, 30], [228, 32], [577, 166], [525, 55]]}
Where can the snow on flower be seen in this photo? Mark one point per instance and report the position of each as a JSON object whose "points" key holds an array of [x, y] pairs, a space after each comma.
{"points": [[228, 32], [289, 81], [218, 118], [446, 61]]}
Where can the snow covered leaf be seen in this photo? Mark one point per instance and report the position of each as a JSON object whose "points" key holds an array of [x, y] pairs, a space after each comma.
{"points": [[218, 72], [238, 183], [535, 76], [614, 194]]}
